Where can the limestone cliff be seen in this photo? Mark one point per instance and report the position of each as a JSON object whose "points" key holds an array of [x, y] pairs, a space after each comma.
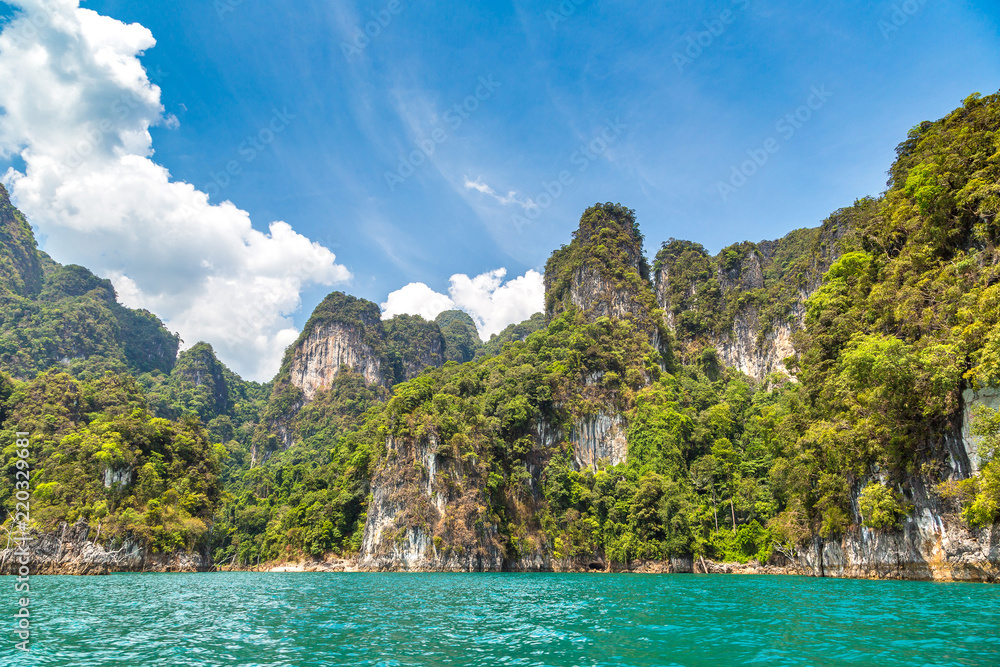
{"points": [[603, 271], [437, 505], [934, 543], [344, 337], [747, 302], [330, 349], [70, 549], [431, 510], [346, 333], [429, 513]]}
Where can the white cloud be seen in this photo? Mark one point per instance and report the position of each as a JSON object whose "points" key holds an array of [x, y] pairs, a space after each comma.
{"points": [[77, 106], [416, 299], [491, 302], [508, 199]]}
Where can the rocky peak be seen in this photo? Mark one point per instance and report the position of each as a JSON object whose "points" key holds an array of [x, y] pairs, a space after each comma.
{"points": [[748, 301], [348, 334], [344, 333], [603, 271], [20, 263]]}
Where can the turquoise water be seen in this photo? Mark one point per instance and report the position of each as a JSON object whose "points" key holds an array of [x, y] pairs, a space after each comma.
{"points": [[501, 619]]}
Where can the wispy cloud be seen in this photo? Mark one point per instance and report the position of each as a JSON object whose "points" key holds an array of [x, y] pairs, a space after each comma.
{"points": [[509, 199]]}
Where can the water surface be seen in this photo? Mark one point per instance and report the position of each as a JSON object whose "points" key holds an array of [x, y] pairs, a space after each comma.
{"points": [[313, 619]]}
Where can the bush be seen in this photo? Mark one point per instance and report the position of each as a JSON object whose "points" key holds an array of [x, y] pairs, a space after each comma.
{"points": [[881, 507]]}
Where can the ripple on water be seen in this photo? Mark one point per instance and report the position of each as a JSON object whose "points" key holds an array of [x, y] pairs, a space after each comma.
{"points": [[317, 619]]}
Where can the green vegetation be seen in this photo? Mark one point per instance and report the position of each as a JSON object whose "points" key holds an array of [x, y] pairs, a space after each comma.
{"points": [[513, 333], [98, 454], [65, 317], [461, 337], [606, 261], [703, 295], [904, 315]]}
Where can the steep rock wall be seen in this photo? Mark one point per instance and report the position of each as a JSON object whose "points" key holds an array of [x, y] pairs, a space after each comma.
{"points": [[429, 513], [754, 351], [599, 441], [932, 544], [749, 300], [68, 550], [330, 349]]}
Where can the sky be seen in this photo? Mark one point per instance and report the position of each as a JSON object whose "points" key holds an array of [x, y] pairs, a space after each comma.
{"points": [[228, 163]]}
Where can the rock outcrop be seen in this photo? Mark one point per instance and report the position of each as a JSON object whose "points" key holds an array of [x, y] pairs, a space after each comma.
{"points": [[603, 272], [429, 513], [348, 334], [330, 349], [749, 301], [68, 550]]}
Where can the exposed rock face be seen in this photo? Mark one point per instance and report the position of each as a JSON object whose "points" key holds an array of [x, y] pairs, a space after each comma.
{"points": [[759, 355], [928, 548], [973, 399], [932, 544], [603, 272], [599, 441], [329, 350], [345, 333], [748, 301], [69, 551], [429, 513]]}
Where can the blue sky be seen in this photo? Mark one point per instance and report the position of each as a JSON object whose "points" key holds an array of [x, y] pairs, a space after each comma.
{"points": [[645, 103]]}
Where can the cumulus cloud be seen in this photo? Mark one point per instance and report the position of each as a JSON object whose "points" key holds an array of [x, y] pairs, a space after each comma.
{"points": [[508, 199], [416, 299], [492, 303], [76, 105]]}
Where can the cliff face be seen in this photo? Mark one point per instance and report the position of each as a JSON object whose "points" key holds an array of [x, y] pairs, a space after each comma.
{"points": [[436, 502], [68, 550], [345, 333], [603, 272], [932, 544], [329, 350], [747, 302], [429, 513]]}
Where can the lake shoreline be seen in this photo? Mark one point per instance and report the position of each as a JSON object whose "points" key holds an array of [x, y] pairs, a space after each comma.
{"points": [[69, 551]]}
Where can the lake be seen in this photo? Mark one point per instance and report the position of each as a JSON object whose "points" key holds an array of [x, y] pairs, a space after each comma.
{"points": [[307, 619]]}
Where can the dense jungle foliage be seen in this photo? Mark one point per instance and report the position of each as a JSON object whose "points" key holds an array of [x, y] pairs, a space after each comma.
{"points": [[902, 317]]}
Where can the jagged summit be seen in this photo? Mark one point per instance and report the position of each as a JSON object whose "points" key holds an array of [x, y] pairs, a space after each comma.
{"points": [[747, 302], [20, 262], [604, 273]]}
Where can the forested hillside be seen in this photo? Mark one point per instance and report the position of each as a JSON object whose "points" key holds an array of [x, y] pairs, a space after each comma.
{"points": [[824, 400]]}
